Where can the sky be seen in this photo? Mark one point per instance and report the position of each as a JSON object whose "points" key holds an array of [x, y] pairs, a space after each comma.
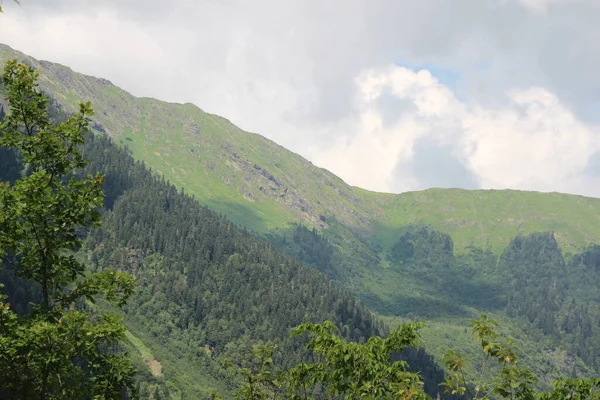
{"points": [[390, 95]]}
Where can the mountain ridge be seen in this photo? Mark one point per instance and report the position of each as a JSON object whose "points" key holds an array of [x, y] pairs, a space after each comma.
{"points": [[265, 187], [431, 254]]}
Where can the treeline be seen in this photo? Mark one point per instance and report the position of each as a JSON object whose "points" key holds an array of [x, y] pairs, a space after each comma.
{"points": [[205, 287], [206, 290], [560, 297], [309, 246], [552, 294]]}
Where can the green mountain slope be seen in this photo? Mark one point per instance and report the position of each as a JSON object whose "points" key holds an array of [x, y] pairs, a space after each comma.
{"points": [[206, 292], [374, 243], [491, 218], [263, 186]]}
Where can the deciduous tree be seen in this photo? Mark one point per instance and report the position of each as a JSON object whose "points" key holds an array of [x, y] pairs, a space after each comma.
{"points": [[59, 350]]}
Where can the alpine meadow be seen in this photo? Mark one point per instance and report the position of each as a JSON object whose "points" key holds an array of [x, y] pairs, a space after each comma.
{"points": [[153, 250]]}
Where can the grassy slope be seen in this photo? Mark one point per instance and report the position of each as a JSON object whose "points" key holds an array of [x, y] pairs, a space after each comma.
{"points": [[220, 164], [229, 170], [195, 379], [491, 218], [259, 184]]}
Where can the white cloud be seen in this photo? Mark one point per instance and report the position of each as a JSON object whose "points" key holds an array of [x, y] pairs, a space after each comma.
{"points": [[533, 142], [312, 76], [537, 6], [106, 52], [542, 6]]}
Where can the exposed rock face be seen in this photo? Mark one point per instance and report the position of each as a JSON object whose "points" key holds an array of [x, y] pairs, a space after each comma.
{"points": [[258, 183]]}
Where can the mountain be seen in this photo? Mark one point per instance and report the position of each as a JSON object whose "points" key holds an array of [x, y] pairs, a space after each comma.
{"points": [[206, 291], [263, 186], [444, 255]]}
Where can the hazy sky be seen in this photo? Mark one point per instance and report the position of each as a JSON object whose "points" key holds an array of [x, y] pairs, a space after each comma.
{"points": [[391, 95]]}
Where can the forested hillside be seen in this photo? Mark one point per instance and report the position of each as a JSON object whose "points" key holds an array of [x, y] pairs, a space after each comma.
{"points": [[206, 290], [548, 300], [209, 289]]}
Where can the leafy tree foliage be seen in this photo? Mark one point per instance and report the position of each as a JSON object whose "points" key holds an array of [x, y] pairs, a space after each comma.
{"points": [[337, 369], [16, 1], [509, 380], [576, 389], [57, 350]]}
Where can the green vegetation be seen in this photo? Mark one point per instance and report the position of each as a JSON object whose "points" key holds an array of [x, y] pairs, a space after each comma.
{"points": [[205, 290], [260, 185], [208, 291], [336, 369], [56, 350], [264, 187]]}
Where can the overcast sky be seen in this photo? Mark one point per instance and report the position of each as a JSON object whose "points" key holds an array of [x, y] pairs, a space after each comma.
{"points": [[391, 95]]}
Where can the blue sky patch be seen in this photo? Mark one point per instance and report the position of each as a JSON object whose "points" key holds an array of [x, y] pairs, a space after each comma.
{"points": [[446, 76]]}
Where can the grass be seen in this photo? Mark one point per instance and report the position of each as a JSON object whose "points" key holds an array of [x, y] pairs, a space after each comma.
{"points": [[152, 363], [144, 351], [181, 374], [442, 334], [261, 185], [491, 218]]}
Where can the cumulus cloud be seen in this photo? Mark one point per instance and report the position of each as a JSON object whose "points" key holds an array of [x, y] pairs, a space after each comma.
{"points": [[532, 142], [327, 81]]}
